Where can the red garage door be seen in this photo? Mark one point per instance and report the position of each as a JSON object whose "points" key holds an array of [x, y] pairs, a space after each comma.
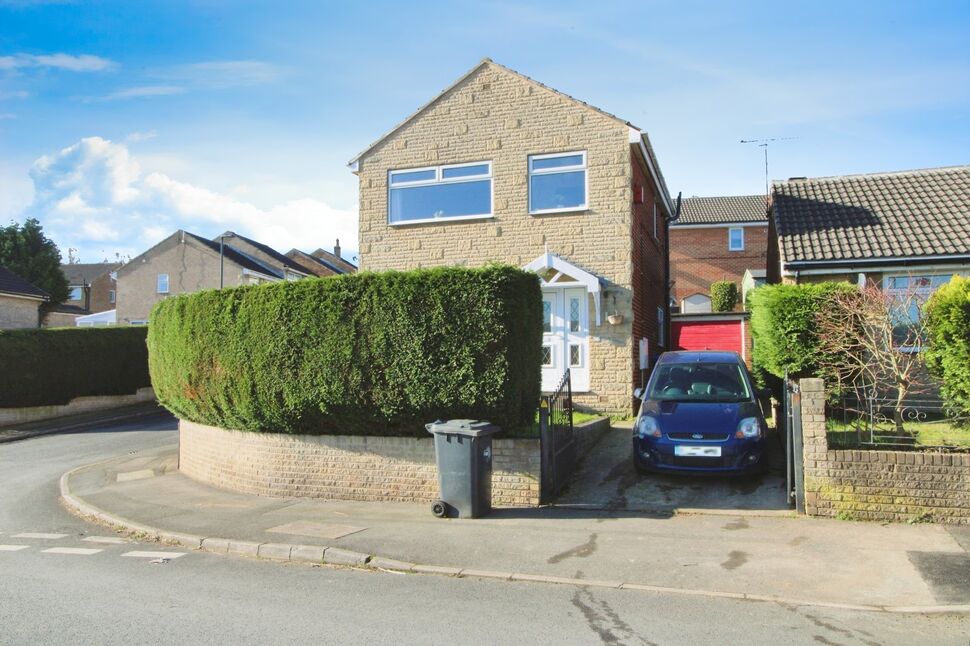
{"points": [[707, 335]]}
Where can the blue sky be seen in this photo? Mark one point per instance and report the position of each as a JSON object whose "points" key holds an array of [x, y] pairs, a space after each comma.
{"points": [[122, 121]]}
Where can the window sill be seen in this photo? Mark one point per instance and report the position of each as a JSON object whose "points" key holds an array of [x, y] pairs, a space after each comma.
{"points": [[570, 209], [460, 218]]}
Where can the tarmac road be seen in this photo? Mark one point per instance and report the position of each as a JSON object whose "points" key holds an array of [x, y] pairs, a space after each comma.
{"points": [[57, 587]]}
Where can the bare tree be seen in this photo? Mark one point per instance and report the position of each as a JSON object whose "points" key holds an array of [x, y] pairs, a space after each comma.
{"points": [[871, 343]]}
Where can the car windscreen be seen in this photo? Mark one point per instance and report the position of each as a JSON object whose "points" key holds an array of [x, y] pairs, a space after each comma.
{"points": [[699, 382]]}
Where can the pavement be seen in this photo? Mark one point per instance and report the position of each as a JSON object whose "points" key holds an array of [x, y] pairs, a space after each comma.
{"points": [[729, 554]]}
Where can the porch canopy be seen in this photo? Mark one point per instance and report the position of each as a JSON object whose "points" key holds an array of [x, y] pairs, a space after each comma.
{"points": [[556, 272]]}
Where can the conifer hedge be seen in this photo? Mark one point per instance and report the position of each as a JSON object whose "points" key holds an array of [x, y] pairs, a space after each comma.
{"points": [[46, 367], [948, 352], [361, 354]]}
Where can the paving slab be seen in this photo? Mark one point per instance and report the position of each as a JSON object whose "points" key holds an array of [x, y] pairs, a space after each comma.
{"points": [[826, 561]]}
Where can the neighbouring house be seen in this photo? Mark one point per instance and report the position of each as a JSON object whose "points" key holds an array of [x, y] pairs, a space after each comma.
{"points": [[714, 239], [899, 230], [20, 301], [500, 167], [321, 262], [185, 262], [92, 291]]}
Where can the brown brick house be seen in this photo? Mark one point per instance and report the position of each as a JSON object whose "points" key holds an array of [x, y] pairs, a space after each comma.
{"points": [[499, 167], [716, 238], [92, 290]]}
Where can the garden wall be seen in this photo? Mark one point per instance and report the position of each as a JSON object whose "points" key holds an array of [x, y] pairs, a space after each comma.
{"points": [[9, 416], [345, 467], [878, 485]]}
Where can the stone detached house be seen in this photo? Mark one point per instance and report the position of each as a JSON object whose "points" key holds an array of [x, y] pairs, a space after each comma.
{"points": [[20, 301], [900, 230], [185, 262], [716, 238], [499, 167]]}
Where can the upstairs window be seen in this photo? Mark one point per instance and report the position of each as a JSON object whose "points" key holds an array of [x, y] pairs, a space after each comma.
{"points": [[111, 296], [161, 284], [557, 182], [77, 293], [736, 239], [454, 192]]}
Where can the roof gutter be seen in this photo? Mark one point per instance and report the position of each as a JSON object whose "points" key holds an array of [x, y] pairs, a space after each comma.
{"points": [[819, 266]]}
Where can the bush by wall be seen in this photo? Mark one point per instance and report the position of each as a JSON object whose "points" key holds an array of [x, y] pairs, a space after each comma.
{"points": [[369, 353], [783, 326], [948, 354], [53, 366], [724, 296]]}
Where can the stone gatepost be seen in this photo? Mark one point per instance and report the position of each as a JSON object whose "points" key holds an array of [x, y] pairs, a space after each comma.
{"points": [[815, 451]]}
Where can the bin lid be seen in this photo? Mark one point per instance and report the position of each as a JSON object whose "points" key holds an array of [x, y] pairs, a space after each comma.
{"points": [[468, 427]]}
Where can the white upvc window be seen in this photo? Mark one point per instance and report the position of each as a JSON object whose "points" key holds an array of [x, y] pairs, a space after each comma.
{"points": [[736, 239], [161, 284], [77, 293], [111, 296], [440, 193], [558, 183]]}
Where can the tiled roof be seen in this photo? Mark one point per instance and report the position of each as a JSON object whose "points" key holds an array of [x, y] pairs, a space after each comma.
{"points": [[85, 273], [242, 259], [885, 215], [11, 283], [722, 210], [324, 256], [289, 263]]}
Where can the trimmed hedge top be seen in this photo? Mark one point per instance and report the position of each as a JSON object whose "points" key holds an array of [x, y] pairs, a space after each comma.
{"points": [[45, 367], [368, 353]]}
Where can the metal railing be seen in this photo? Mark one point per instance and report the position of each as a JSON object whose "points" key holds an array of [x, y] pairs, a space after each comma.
{"points": [[557, 440], [874, 420]]}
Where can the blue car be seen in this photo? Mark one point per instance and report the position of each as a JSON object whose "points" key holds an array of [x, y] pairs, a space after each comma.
{"points": [[699, 414]]}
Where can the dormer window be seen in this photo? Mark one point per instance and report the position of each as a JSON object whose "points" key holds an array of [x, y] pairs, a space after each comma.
{"points": [[434, 194]]}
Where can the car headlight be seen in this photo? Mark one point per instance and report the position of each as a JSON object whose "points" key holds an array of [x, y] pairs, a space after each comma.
{"points": [[748, 427], [647, 427]]}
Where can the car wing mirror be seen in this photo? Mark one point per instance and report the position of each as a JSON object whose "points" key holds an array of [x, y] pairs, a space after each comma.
{"points": [[638, 393]]}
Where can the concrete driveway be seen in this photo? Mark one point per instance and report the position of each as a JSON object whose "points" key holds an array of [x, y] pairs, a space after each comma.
{"points": [[605, 479]]}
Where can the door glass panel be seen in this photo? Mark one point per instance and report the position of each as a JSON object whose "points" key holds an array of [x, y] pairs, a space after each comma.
{"points": [[546, 315], [574, 315], [575, 356]]}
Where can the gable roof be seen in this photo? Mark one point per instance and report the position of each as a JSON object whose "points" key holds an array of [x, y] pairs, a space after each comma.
{"points": [[11, 283], [241, 258], [897, 215], [269, 251], [641, 136], [334, 259], [85, 273], [313, 260], [723, 209]]}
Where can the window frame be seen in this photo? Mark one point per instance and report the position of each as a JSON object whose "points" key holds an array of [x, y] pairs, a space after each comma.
{"points": [[112, 296], [554, 171], [439, 179], [731, 246], [80, 293], [158, 284]]}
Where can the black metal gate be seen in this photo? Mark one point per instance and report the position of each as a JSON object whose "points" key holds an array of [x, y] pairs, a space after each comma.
{"points": [[556, 438], [795, 478]]}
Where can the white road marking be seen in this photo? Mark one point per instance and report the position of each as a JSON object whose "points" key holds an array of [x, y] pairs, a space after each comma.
{"points": [[113, 540], [13, 548], [154, 555], [49, 537], [82, 551]]}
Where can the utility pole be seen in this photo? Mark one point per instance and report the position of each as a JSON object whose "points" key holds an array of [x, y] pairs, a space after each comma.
{"points": [[222, 245]]}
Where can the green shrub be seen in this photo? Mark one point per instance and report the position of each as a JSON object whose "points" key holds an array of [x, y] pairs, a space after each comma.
{"points": [[948, 354], [783, 326], [724, 296], [369, 353], [48, 367]]}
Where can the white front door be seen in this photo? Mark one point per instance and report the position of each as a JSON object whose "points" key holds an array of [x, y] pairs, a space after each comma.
{"points": [[565, 338]]}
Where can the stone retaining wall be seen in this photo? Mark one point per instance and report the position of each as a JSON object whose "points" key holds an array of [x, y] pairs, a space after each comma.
{"points": [[878, 485], [345, 467], [9, 416]]}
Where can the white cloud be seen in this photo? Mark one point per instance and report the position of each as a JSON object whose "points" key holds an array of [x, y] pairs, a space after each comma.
{"points": [[139, 92], [68, 62], [13, 94], [94, 192], [141, 136]]}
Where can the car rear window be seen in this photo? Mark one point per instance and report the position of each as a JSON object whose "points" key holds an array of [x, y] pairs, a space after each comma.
{"points": [[711, 382]]}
